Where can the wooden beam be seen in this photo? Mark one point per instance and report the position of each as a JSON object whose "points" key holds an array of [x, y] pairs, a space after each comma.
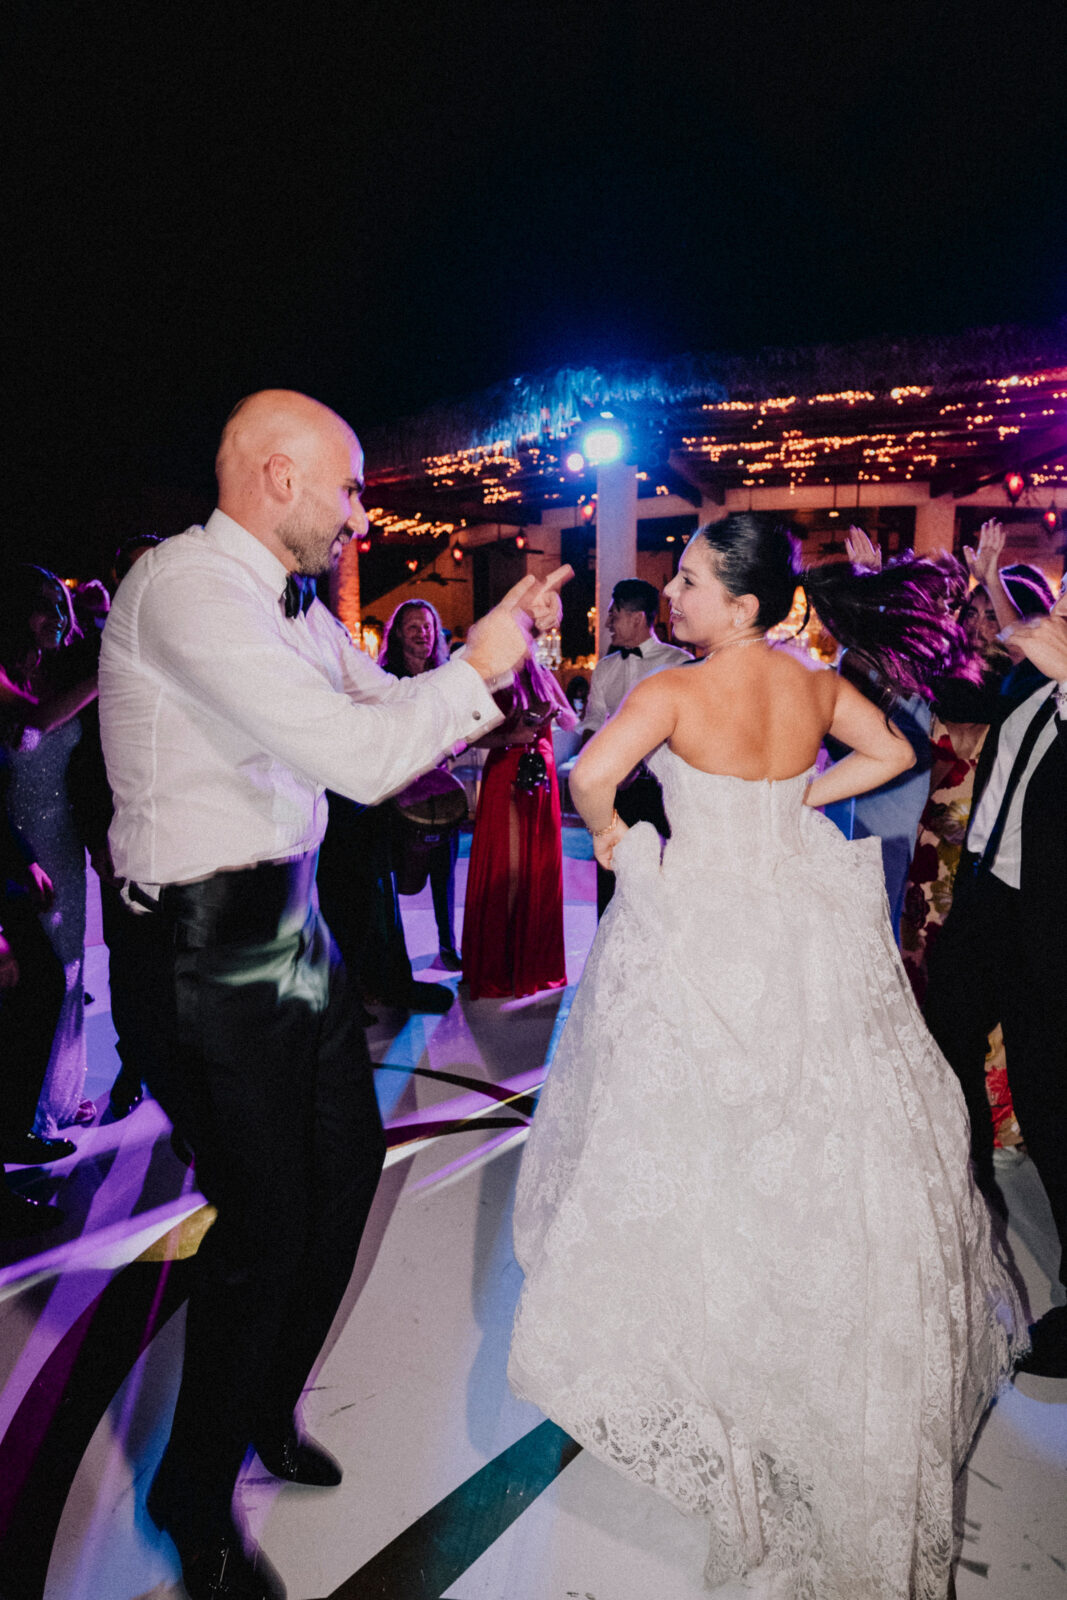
{"points": [[970, 476]]}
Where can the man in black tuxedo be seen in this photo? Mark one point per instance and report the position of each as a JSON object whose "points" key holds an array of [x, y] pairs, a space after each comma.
{"points": [[1002, 953]]}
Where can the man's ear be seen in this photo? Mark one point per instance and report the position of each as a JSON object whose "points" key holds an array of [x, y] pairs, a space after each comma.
{"points": [[280, 474]]}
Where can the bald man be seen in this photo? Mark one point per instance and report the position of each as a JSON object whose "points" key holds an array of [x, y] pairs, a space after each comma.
{"points": [[227, 707]]}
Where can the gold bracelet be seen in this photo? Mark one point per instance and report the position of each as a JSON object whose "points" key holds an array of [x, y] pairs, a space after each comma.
{"points": [[596, 832]]}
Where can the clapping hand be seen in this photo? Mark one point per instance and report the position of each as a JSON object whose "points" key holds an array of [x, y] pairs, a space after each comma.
{"points": [[983, 562], [861, 550]]}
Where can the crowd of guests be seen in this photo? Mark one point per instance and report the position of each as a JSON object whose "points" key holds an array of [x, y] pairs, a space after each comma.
{"points": [[56, 810], [57, 807]]}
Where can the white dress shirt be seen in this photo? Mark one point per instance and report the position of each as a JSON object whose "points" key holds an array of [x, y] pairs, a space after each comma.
{"points": [[223, 720], [1007, 866], [614, 676]]}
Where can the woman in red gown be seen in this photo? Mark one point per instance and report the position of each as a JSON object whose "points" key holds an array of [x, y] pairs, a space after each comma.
{"points": [[513, 916]]}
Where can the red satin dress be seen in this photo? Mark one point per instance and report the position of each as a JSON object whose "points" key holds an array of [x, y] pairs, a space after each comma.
{"points": [[513, 916]]}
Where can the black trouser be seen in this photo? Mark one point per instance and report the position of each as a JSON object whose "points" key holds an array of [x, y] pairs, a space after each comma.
{"points": [[264, 1070], [991, 964], [133, 1013], [443, 889], [357, 892], [29, 1012], [640, 801]]}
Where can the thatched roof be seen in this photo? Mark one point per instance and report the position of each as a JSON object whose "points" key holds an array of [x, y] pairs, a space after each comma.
{"points": [[548, 405]]}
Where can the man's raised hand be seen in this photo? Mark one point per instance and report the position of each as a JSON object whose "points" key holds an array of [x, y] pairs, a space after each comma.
{"points": [[499, 641]]}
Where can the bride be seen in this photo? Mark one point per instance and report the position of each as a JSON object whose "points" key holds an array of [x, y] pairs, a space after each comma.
{"points": [[758, 1276]]}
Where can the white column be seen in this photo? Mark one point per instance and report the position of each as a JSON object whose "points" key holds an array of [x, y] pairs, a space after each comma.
{"points": [[616, 535], [935, 525]]}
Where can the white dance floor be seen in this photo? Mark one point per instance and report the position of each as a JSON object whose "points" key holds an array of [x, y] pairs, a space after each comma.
{"points": [[453, 1490]]}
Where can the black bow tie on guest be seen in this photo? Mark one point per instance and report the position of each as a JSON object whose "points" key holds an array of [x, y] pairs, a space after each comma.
{"points": [[298, 594], [625, 650]]}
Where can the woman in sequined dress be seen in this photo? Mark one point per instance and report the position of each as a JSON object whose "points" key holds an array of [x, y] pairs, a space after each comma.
{"points": [[36, 621]]}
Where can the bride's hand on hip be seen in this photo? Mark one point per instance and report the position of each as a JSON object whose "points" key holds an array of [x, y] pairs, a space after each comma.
{"points": [[605, 840]]}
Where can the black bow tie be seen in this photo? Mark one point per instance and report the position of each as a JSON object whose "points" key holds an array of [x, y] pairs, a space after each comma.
{"points": [[624, 650], [297, 595]]}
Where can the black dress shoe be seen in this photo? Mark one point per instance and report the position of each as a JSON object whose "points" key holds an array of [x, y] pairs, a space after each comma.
{"points": [[433, 998], [450, 958], [299, 1460], [20, 1216], [31, 1149], [126, 1092], [219, 1566]]}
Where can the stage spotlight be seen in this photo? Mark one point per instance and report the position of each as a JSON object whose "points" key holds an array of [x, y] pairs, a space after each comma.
{"points": [[575, 462], [520, 541], [457, 553], [413, 565], [1014, 484], [603, 445], [363, 546], [1051, 519]]}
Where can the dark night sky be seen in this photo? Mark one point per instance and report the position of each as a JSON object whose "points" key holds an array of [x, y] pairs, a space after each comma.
{"points": [[391, 204]]}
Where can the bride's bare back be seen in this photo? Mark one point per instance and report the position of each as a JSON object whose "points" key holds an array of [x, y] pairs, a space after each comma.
{"points": [[750, 712]]}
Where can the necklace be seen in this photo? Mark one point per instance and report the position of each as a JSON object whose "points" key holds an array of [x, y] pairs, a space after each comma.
{"points": [[735, 644]]}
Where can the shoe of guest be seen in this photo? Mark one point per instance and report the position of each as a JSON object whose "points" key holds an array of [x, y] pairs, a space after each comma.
{"points": [[219, 1566], [434, 998], [20, 1216], [33, 1149], [126, 1092], [298, 1459], [1048, 1346], [85, 1114], [450, 959]]}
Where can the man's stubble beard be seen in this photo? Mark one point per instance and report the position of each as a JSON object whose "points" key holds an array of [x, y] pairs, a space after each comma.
{"points": [[309, 544]]}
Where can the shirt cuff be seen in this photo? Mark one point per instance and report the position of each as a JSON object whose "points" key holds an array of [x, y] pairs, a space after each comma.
{"points": [[474, 702]]}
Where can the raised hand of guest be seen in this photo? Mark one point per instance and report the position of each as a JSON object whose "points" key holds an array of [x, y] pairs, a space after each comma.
{"points": [[861, 550], [983, 562], [1044, 642]]}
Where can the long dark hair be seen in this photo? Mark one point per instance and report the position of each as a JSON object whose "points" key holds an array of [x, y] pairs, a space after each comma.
{"points": [[392, 652], [896, 622], [24, 587]]}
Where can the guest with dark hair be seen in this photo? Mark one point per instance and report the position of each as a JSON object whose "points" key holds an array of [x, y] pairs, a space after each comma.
{"points": [[131, 550], [36, 622], [746, 1123], [31, 996], [513, 915], [1003, 945], [32, 989]]}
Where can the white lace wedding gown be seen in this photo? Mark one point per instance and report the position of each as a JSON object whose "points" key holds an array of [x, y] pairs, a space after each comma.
{"points": [[758, 1276]]}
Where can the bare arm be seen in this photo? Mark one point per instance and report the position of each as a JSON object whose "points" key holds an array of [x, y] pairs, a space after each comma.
{"points": [[984, 564], [879, 752], [644, 720], [50, 711]]}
